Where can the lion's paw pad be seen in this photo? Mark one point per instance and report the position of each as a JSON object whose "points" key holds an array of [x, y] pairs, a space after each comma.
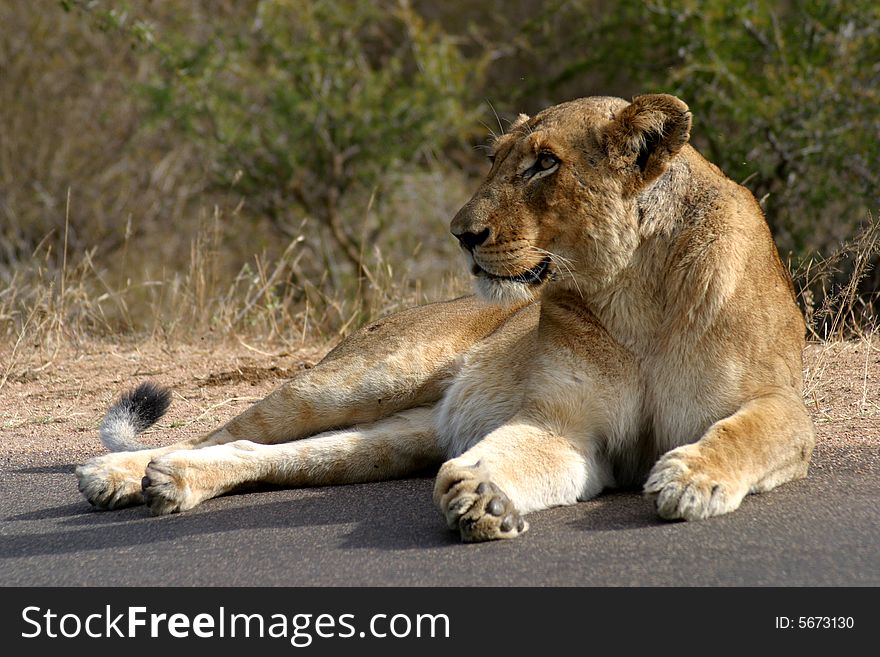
{"points": [[480, 511]]}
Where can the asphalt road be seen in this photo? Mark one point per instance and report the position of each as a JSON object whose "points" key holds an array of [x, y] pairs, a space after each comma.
{"points": [[821, 531]]}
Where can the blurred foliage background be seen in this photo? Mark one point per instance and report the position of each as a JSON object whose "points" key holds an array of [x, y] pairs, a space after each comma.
{"points": [[288, 167]]}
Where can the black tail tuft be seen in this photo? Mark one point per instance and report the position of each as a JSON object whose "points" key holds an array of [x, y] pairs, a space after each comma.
{"points": [[131, 414], [146, 404]]}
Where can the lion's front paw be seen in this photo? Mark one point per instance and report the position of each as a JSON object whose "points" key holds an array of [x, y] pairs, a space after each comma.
{"points": [[474, 506], [167, 486], [111, 481], [684, 487]]}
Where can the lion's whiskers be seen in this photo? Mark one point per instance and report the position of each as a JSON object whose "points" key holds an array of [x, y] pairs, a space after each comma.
{"points": [[563, 264]]}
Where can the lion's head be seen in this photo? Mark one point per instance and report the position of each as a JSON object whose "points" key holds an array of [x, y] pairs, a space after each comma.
{"points": [[560, 203]]}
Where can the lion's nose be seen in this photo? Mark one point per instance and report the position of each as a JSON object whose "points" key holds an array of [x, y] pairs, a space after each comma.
{"points": [[471, 240]]}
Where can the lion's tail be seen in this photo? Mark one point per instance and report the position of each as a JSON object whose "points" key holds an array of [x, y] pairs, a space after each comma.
{"points": [[132, 413]]}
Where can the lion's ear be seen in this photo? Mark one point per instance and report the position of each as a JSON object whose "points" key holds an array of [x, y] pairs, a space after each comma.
{"points": [[521, 120], [647, 133]]}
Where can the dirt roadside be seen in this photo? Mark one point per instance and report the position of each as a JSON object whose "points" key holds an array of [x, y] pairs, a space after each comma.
{"points": [[54, 407]]}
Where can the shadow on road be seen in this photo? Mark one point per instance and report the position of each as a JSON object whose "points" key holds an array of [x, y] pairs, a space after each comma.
{"points": [[618, 511], [391, 515], [394, 515]]}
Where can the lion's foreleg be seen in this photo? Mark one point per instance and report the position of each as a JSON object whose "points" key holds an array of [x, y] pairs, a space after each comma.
{"points": [[393, 447], [516, 469], [766, 443]]}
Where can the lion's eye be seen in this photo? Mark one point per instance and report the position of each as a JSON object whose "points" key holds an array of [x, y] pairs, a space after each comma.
{"points": [[491, 157], [545, 164], [546, 161]]}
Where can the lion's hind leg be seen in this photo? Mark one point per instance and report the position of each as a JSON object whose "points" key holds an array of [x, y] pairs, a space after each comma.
{"points": [[393, 447], [401, 362]]}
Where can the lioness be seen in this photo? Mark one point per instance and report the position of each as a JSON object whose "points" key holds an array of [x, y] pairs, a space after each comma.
{"points": [[633, 326]]}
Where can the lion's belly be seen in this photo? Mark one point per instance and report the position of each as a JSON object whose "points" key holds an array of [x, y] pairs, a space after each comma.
{"points": [[488, 389]]}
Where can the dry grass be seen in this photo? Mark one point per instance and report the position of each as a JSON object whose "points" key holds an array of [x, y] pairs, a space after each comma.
{"points": [[842, 330], [271, 304], [846, 310], [268, 302]]}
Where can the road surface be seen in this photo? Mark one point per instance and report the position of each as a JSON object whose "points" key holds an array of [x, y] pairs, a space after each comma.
{"points": [[824, 530]]}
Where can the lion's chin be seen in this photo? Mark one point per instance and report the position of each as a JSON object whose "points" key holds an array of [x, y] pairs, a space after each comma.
{"points": [[505, 292], [513, 290]]}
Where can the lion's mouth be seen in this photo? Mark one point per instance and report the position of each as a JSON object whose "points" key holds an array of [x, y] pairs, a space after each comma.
{"points": [[532, 276]]}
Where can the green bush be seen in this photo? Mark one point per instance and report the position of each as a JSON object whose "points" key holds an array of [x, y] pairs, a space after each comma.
{"points": [[311, 102]]}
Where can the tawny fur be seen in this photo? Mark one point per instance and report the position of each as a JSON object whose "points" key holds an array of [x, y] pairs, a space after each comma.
{"points": [[634, 327]]}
